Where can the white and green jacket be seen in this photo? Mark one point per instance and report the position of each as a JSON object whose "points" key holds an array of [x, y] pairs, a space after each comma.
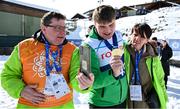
{"points": [[107, 90]]}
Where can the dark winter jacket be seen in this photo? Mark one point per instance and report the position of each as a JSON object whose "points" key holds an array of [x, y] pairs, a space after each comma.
{"points": [[166, 55]]}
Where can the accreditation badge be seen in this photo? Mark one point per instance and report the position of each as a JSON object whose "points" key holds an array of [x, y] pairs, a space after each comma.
{"points": [[57, 85], [48, 89], [135, 93]]}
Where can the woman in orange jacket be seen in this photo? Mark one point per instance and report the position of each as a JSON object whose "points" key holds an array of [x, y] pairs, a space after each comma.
{"points": [[42, 71]]}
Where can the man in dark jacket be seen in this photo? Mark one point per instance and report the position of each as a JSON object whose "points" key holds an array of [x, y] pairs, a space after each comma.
{"points": [[158, 45], [166, 55]]}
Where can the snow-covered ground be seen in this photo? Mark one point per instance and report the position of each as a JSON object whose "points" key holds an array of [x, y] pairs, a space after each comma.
{"points": [[173, 88]]}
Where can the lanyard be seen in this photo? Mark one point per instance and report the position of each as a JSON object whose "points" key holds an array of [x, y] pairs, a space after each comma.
{"points": [[135, 75], [115, 43], [54, 56]]}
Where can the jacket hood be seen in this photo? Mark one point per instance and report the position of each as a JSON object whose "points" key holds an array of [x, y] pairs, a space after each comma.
{"points": [[93, 34]]}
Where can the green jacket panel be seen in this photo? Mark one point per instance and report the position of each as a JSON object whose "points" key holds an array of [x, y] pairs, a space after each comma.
{"points": [[158, 83], [12, 73]]}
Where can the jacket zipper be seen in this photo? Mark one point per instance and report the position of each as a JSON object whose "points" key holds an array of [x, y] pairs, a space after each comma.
{"points": [[102, 94], [120, 91]]}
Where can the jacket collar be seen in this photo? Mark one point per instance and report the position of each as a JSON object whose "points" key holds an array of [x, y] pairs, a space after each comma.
{"points": [[93, 34], [149, 51]]}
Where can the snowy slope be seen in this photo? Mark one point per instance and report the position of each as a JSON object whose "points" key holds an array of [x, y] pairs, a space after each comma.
{"points": [[165, 21]]}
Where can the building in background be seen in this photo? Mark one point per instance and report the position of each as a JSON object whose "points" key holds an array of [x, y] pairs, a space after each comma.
{"points": [[140, 9], [19, 21]]}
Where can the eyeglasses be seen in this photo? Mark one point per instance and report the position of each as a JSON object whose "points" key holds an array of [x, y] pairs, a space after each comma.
{"points": [[58, 27]]}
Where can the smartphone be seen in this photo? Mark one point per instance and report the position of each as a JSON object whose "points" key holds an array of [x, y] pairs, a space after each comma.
{"points": [[85, 60]]}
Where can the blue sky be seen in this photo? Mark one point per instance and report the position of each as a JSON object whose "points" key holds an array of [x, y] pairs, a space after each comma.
{"points": [[71, 7]]}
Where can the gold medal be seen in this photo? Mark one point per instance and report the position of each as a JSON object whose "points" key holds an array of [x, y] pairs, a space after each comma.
{"points": [[118, 51]]}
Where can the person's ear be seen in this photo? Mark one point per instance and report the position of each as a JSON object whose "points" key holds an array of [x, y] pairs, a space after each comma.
{"points": [[43, 28]]}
